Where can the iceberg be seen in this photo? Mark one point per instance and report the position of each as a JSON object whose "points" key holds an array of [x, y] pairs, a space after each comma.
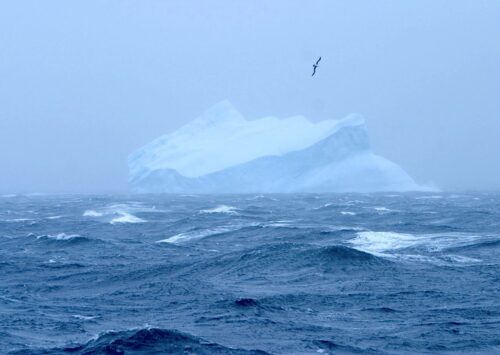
{"points": [[222, 152]]}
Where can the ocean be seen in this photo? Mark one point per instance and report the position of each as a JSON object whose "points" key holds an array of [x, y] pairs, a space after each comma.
{"points": [[387, 273]]}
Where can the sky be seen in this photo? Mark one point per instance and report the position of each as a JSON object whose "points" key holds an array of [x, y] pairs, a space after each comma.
{"points": [[84, 83]]}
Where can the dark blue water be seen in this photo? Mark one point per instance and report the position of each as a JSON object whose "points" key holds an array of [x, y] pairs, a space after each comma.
{"points": [[280, 274]]}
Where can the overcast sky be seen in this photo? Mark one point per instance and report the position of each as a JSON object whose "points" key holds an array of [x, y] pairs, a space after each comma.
{"points": [[84, 83]]}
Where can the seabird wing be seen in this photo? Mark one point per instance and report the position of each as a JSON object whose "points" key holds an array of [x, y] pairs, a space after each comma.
{"points": [[318, 60]]}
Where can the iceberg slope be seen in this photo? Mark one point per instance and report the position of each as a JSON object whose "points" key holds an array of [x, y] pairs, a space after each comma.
{"points": [[221, 152]]}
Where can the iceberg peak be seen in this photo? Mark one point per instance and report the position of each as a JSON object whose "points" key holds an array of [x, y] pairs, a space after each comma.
{"points": [[221, 113]]}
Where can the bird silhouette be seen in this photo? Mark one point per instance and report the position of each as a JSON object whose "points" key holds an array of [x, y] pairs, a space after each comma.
{"points": [[315, 66]]}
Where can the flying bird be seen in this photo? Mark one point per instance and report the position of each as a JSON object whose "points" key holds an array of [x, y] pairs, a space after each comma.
{"points": [[315, 66]]}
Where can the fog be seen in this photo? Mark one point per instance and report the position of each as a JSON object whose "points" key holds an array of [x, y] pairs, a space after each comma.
{"points": [[85, 83]]}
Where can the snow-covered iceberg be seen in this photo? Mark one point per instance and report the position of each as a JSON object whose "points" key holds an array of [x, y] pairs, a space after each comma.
{"points": [[222, 152]]}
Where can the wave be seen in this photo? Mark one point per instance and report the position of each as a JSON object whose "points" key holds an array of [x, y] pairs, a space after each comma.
{"points": [[19, 220], [197, 234], [53, 264], [65, 238], [433, 248], [148, 341], [126, 218], [384, 209], [202, 233], [460, 259], [431, 197], [347, 213], [297, 225], [327, 346], [380, 309], [60, 236], [221, 209], [380, 242], [81, 317], [251, 304], [261, 197], [92, 213], [119, 213], [246, 302], [279, 224], [354, 202], [326, 205], [495, 243], [278, 258], [336, 253]]}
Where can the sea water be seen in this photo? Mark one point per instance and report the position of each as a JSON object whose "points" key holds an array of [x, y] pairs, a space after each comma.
{"points": [[237, 274]]}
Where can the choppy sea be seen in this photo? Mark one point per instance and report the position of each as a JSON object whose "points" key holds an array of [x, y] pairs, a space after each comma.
{"points": [[250, 274]]}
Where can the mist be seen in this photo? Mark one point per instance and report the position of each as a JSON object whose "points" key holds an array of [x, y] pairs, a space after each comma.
{"points": [[85, 83]]}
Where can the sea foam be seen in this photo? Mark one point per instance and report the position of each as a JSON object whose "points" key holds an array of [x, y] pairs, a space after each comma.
{"points": [[221, 209]]}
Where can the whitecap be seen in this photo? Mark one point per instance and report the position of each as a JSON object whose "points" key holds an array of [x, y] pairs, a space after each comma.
{"points": [[79, 316], [347, 213], [326, 205], [54, 217], [121, 213], [383, 209], [437, 259], [462, 259], [92, 213], [396, 245], [60, 236], [379, 242], [433, 197], [354, 202], [126, 218], [277, 224], [415, 258], [199, 234], [221, 209], [19, 220]]}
